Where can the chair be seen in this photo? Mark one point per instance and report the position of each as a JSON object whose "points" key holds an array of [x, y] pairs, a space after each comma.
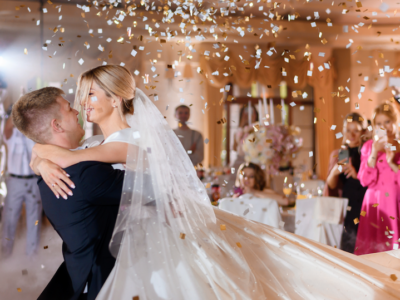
{"points": [[321, 219], [265, 211]]}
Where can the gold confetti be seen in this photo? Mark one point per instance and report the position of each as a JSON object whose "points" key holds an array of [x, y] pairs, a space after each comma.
{"points": [[222, 227], [45, 247], [239, 245], [375, 204], [356, 221], [19, 290], [135, 298], [182, 236], [363, 213], [393, 277], [393, 218], [374, 225], [37, 222], [25, 51]]}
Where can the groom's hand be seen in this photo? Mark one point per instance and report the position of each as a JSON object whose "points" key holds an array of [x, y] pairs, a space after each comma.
{"points": [[56, 178]]}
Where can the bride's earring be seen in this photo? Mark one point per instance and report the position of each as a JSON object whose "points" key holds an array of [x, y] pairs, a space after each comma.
{"points": [[115, 106]]}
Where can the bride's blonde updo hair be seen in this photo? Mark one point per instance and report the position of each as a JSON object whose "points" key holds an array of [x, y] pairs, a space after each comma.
{"points": [[116, 81]]}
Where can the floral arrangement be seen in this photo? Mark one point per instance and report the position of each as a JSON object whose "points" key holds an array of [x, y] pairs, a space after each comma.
{"points": [[271, 145]]}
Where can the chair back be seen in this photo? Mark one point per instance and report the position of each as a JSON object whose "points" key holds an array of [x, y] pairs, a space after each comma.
{"points": [[262, 210], [321, 219]]}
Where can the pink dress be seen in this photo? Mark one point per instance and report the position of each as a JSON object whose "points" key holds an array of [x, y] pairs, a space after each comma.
{"points": [[379, 229]]}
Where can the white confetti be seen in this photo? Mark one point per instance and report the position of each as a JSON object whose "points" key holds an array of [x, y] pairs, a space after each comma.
{"points": [[81, 61], [384, 7], [133, 53]]}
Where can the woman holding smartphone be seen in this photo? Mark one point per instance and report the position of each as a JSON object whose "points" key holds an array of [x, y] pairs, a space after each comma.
{"points": [[379, 218], [342, 176]]}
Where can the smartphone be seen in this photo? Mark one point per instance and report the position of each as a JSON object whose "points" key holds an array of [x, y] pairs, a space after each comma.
{"points": [[343, 157], [237, 190], [380, 133]]}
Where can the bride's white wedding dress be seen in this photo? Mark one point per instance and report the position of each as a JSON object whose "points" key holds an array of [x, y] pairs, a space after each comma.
{"points": [[175, 245]]}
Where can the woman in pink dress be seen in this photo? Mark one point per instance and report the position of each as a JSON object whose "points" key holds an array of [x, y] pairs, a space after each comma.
{"points": [[379, 218]]}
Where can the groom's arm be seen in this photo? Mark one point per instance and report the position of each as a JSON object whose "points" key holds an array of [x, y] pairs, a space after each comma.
{"points": [[101, 184]]}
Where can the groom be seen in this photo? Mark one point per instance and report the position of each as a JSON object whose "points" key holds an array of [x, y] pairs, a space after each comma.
{"points": [[86, 220]]}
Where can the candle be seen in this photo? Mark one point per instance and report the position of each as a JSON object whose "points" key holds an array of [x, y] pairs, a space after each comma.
{"points": [[249, 112], [271, 114], [283, 112], [259, 112], [265, 104], [265, 108]]}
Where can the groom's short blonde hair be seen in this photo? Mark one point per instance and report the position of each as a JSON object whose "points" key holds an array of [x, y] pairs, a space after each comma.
{"points": [[33, 112]]}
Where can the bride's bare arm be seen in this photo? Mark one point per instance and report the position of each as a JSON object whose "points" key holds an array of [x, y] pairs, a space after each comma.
{"points": [[114, 152]]}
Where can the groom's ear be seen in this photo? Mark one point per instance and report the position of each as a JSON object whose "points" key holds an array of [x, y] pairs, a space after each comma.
{"points": [[55, 126]]}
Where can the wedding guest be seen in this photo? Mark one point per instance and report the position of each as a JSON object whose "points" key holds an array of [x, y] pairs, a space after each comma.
{"points": [[240, 133], [191, 140], [379, 225], [22, 189], [251, 180], [342, 178]]}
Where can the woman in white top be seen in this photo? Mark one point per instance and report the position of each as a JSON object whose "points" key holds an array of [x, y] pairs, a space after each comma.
{"points": [[175, 244], [251, 180]]}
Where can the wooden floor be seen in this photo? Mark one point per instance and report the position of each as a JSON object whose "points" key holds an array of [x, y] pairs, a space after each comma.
{"points": [[24, 278]]}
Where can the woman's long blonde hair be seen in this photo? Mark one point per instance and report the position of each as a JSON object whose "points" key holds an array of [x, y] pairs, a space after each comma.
{"points": [[116, 81], [386, 109]]}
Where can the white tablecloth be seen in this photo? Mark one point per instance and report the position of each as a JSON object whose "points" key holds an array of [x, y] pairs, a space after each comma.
{"points": [[321, 219], [265, 211]]}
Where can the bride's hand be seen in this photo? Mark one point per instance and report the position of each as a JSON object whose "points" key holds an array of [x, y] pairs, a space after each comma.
{"points": [[56, 178]]}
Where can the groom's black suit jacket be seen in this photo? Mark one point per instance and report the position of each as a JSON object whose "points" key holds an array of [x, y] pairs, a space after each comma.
{"points": [[85, 223]]}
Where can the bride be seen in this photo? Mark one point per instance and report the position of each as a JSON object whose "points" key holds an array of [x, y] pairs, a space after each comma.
{"points": [[170, 243]]}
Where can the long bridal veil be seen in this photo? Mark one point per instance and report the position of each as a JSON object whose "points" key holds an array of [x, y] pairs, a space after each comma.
{"points": [[170, 243], [170, 238]]}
